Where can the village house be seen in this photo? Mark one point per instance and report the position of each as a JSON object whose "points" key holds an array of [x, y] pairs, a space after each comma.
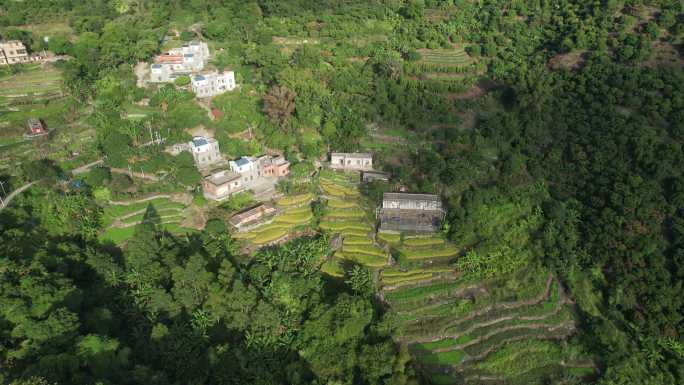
{"points": [[221, 184], [372, 176], [13, 52], [213, 83], [36, 127], [410, 212], [183, 61], [205, 151], [246, 219], [351, 161], [266, 166]]}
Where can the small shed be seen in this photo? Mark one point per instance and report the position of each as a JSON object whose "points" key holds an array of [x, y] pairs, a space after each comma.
{"points": [[251, 215], [372, 176]]}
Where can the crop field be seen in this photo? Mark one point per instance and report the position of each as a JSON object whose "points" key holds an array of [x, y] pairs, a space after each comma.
{"points": [[296, 213], [449, 57], [352, 213], [295, 200], [423, 241], [449, 333], [338, 191], [389, 238], [429, 252], [335, 203], [32, 80], [333, 267]]}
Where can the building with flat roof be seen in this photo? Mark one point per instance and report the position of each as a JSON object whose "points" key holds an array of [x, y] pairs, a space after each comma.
{"points": [[213, 83], [249, 217], [183, 61], [205, 151], [221, 184], [372, 176], [410, 212], [356, 161], [13, 52]]}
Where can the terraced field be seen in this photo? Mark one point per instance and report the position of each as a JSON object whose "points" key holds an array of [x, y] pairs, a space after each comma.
{"points": [[119, 219], [459, 333], [294, 213], [346, 215]]}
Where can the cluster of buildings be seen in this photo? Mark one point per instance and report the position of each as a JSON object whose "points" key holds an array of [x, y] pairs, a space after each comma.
{"points": [[15, 52], [399, 211], [221, 179], [190, 60]]}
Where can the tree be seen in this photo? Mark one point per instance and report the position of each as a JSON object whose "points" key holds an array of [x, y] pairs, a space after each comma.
{"points": [[182, 81], [279, 105]]}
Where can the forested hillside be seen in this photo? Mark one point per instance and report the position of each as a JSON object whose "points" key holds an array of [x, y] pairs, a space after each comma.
{"points": [[552, 131]]}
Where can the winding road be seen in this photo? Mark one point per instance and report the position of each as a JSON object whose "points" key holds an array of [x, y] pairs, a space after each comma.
{"points": [[6, 201]]}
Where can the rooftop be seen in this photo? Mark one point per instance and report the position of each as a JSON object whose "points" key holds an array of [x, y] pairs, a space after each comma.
{"points": [[199, 141], [199, 78], [352, 154], [222, 177], [245, 214], [156, 65], [413, 197], [242, 161]]}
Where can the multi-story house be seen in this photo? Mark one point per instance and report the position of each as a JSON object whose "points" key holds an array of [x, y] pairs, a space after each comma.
{"points": [[188, 59], [205, 151], [351, 161], [13, 52], [221, 184], [213, 83]]}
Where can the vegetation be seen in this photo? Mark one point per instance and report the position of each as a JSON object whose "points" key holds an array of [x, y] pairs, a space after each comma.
{"points": [[552, 131]]}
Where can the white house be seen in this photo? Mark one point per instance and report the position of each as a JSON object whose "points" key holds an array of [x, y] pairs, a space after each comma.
{"points": [[188, 59], [351, 161], [205, 151], [213, 83]]}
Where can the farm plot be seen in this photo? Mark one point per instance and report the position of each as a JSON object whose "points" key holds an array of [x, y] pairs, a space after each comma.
{"points": [[295, 213], [120, 220], [453, 335], [445, 57]]}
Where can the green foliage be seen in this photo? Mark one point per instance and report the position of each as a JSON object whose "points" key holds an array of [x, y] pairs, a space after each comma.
{"points": [[182, 81]]}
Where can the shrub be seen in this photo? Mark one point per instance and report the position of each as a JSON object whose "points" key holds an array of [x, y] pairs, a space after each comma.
{"points": [[182, 81]]}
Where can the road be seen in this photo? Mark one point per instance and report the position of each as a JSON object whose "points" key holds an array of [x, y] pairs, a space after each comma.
{"points": [[8, 199], [86, 167]]}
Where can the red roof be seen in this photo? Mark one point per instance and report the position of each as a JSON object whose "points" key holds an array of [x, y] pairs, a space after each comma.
{"points": [[169, 59], [216, 113]]}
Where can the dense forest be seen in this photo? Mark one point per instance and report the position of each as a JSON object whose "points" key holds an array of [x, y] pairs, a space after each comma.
{"points": [[569, 158]]}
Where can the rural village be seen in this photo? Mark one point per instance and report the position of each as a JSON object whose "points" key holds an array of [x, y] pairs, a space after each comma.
{"points": [[410, 192]]}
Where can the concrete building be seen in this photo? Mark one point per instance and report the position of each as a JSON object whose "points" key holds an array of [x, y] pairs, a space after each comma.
{"points": [[351, 161], [184, 61], [221, 184], [253, 169], [269, 166], [248, 218], [205, 151], [372, 176], [213, 83], [410, 212], [13, 52]]}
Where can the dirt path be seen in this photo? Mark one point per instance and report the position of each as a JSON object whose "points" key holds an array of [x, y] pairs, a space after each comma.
{"points": [[86, 167], [150, 177], [8, 199]]}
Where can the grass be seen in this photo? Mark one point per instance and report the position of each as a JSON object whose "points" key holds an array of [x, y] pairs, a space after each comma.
{"points": [[353, 232], [413, 293], [295, 200], [446, 358], [394, 272]]}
